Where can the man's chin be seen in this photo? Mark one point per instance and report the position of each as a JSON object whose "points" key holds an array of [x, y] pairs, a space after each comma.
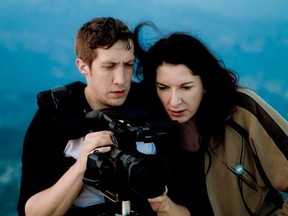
{"points": [[117, 102]]}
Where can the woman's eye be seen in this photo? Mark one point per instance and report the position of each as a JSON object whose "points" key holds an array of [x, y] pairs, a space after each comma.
{"points": [[187, 87], [162, 87]]}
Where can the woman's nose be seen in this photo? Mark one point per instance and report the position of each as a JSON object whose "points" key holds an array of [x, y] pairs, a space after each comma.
{"points": [[175, 99]]}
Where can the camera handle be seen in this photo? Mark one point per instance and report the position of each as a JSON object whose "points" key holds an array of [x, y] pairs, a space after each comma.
{"points": [[126, 209]]}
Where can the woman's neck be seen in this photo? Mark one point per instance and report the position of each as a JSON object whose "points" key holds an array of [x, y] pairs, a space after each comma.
{"points": [[189, 136]]}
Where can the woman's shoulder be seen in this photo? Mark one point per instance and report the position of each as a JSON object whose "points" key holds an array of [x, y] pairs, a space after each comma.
{"points": [[251, 101], [249, 95], [249, 105]]}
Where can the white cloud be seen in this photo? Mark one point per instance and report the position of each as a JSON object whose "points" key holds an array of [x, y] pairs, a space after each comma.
{"points": [[229, 41], [252, 46], [273, 87], [252, 82], [259, 81], [244, 9], [286, 94], [9, 171], [284, 42]]}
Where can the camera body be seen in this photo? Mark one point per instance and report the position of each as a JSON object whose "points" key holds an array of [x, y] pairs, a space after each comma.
{"points": [[125, 171]]}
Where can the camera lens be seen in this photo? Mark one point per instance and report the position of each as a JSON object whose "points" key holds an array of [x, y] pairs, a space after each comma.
{"points": [[148, 176]]}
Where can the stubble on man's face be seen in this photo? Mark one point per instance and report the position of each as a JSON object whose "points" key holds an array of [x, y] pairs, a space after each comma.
{"points": [[110, 76]]}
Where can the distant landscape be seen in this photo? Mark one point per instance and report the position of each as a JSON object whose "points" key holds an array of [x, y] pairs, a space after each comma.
{"points": [[10, 170], [37, 53]]}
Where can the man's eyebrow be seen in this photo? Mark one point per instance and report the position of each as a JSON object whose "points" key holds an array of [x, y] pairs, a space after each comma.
{"points": [[108, 63], [115, 62], [131, 60]]}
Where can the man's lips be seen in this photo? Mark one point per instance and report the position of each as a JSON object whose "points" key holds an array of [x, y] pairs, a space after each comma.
{"points": [[118, 93]]}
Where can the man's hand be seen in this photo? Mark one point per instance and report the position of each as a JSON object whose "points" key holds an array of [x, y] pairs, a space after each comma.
{"points": [[100, 141]]}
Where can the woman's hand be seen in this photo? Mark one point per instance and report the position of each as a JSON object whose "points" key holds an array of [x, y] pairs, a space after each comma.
{"points": [[160, 203], [164, 206]]}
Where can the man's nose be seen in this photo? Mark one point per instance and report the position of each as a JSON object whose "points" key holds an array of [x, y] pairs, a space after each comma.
{"points": [[119, 76]]}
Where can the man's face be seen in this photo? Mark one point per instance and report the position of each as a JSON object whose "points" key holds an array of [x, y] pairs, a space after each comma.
{"points": [[109, 78]]}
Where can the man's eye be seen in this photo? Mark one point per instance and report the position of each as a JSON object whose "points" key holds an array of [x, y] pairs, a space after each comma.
{"points": [[108, 66], [129, 65]]}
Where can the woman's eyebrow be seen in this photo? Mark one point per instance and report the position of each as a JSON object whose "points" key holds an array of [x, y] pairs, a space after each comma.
{"points": [[185, 83]]}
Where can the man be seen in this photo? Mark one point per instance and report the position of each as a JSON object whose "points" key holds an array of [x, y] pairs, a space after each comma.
{"points": [[54, 151]]}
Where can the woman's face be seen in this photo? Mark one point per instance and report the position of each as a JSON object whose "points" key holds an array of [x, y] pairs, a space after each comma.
{"points": [[179, 91]]}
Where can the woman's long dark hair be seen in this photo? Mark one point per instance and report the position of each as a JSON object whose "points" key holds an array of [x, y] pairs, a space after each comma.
{"points": [[219, 83]]}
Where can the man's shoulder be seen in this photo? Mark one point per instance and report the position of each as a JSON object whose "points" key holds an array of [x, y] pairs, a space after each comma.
{"points": [[62, 109], [62, 98]]}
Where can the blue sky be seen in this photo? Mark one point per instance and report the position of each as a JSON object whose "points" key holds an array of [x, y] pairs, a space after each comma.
{"points": [[37, 53], [37, 42]]}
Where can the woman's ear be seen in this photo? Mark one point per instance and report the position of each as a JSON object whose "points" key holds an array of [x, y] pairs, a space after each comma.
{"points": [[82, 66]]}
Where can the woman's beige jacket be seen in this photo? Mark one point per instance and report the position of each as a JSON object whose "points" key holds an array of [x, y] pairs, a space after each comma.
{"points": [[234, 182]]}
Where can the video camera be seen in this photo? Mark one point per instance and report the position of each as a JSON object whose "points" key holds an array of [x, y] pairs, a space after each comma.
{"points": [[124, 170]]}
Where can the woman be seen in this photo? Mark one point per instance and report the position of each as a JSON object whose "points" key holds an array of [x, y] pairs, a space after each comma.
{"points": [[233, 150]]}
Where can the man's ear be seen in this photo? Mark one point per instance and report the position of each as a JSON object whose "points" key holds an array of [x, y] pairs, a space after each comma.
{"points": [[82, 66]]}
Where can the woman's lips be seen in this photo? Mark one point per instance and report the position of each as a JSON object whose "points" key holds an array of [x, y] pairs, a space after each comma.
{"points": [[177, 113]]}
